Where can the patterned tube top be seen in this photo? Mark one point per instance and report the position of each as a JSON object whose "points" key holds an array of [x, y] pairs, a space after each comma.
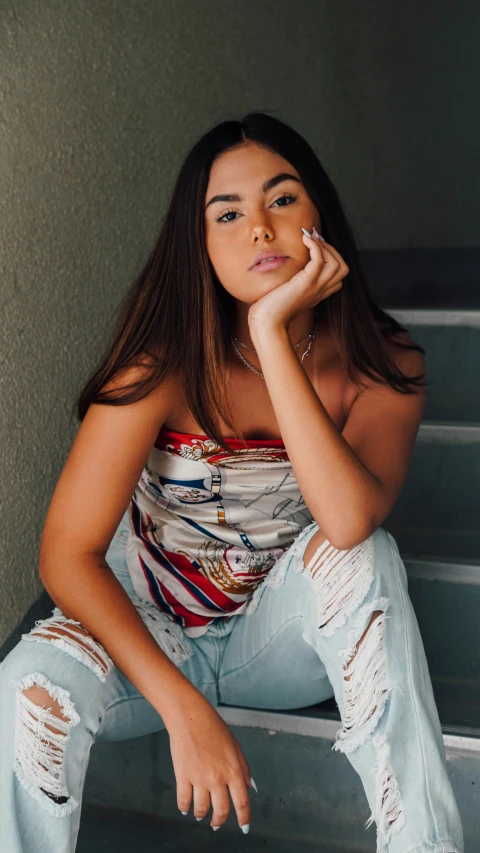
{"points": [[206, 526]]}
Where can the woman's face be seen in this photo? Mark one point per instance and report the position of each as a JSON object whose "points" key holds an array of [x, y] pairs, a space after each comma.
{"points": [[237, 230]]}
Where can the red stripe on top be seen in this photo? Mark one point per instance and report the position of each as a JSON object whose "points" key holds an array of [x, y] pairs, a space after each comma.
{"points": [[191, 619], [256, 442], [185, 569], [189, 572]]}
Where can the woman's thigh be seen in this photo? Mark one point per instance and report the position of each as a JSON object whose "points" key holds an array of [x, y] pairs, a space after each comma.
{"points": [[266, 661]]}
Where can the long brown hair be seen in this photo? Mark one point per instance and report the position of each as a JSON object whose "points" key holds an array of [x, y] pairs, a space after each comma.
{"points": [[176, 317]]}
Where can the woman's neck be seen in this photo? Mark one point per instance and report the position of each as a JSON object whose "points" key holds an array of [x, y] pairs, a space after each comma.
{"points": [[298, 330]]}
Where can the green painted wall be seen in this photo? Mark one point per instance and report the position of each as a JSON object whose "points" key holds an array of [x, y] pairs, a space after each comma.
{"points": [[99, 102]]}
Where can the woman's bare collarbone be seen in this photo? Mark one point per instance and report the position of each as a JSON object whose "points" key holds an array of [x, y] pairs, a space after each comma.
{"points": [[251, 400]]}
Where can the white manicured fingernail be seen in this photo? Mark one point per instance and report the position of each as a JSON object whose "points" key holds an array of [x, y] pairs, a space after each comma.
{"points": [[199, 818], [184, 812], [215, 828], [306, 232], [252, 782], [245, 828]]}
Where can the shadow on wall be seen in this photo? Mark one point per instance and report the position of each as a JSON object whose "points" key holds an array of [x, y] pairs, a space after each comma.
{"points": [[41, 609]]}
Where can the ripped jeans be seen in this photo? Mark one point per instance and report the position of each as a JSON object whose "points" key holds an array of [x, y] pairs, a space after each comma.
{"points": [[342, 625]]}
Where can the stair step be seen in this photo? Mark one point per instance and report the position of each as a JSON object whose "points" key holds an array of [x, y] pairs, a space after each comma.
{"points": [[465, 317], [457, 700], [451, 432], [444, 569], [306, 791], [120, 830], [433, 541], [452, 356], [424, 278], [438, 511], [446, 599], [318, 723]]}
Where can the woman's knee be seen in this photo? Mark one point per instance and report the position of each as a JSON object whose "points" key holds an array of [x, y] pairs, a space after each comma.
{"points": [[341, 578], [72, 637]]}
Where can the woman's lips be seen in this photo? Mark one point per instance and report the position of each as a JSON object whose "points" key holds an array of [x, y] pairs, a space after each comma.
{"points": [[269, 265]]}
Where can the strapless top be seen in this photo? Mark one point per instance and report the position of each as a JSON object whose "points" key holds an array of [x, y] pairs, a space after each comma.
{"points": [[206, 525]]}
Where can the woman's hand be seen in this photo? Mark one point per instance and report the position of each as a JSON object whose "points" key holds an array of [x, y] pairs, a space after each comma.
{"points": [[208, 762], [321, 276]]}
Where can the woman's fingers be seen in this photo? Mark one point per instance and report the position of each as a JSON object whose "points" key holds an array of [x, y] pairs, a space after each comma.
{"points": [[220, 806], [184, 795], [317, 250], [209, 767], [201, 801], [331, 257], [325, 264], [329, 249], [241, 801], [219, 798]]}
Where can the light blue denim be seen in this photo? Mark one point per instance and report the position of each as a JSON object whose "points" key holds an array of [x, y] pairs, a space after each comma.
{"points": [[282, 653]]}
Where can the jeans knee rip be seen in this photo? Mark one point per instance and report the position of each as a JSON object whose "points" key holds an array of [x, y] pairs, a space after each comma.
{"points": [[38, 762], [77, 642], [341, 580]]}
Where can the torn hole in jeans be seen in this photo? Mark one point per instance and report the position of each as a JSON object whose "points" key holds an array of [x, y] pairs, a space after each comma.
{"points": [[70, 636], [40, 741], [168, 634], [365, 672], [341, 580], [387, 811]]}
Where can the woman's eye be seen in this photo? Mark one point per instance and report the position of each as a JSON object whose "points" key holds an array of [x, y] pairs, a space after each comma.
{"points": [[288, 196]]}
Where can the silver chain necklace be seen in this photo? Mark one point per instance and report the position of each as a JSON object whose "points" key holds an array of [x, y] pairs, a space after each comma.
{"points": [[311, 336]]}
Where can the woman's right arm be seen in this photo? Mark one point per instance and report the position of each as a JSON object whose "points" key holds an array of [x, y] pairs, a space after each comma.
{"points": [[91, 496], [94, 489]]}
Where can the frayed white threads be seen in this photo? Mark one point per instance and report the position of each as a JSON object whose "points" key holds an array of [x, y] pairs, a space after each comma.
{"points": [[341, 580], [360, 623], [387, 811], [276, 576], [366, 690], [36, 762], [80, 644], [163, 630]]}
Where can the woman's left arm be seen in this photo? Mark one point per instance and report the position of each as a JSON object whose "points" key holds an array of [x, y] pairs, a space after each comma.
{"points": [[349, 481]]}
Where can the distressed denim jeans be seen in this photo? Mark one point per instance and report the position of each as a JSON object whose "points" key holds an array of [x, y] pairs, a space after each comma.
{"points": [[343, 625]]}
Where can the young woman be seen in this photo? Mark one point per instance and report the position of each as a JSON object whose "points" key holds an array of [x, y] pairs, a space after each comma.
{"points": [[215, 535]]}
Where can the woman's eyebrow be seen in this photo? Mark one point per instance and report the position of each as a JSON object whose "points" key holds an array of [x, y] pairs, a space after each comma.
{"points": [[268, 185]]}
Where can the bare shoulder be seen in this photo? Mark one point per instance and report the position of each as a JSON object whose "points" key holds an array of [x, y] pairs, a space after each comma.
{"points": [[103, 467], [409, 361], [128, 377], [383, 424]]}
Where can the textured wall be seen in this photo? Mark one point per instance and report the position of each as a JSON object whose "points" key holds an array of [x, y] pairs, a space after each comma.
{"points": [[99, 102]]}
